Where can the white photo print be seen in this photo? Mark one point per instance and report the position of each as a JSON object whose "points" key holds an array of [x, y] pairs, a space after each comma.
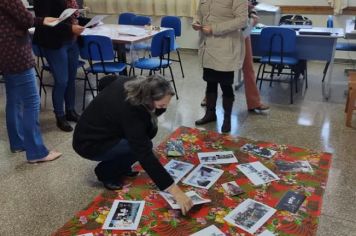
{"points": [[250, 215], [196, 199], [203, 176], [178, 169], [124, 215], [212, 230], [225, 157], [257, 173], [259, 151]]}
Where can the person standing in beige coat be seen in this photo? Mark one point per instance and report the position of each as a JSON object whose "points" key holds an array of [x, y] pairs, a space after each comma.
{"points": [[221, 51]]}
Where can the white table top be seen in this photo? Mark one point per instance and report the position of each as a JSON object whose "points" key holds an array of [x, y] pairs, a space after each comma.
{"points": [[118, 33], [113, 31]]}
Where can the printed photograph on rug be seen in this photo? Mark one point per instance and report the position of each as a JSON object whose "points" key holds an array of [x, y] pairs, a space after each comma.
{"points": [[291, 201], [266, 233], [257, 173], [124, 215], [250, 215], [293, 166], [196, 199], [259, 151], [175, 148], [217, 157], [232, 188], [203, 176], [178, 169], [212, 230]]}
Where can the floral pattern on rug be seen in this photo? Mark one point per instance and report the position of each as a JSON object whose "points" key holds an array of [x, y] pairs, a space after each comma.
{"points": [[159, 219]]}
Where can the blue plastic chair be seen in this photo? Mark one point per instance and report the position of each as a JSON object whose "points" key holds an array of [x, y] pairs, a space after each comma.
{"points": [[278, 46], [43, 66], [162, 45], [125, 18], [98, 50], [141, 20], [174, 22]]}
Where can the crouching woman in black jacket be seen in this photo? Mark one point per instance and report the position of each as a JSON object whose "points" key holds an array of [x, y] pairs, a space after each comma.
{"points": [[117, 127]]}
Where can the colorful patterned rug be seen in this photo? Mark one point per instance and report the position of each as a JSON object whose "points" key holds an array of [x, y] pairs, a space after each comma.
{"points": [[159, 219]]}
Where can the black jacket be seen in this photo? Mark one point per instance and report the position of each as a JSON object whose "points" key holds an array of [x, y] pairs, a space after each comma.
{"points": [[52, 37], [108, 119]]}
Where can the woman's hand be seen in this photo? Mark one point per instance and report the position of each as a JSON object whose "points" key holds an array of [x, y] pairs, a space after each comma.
{"points": [[196, 26], [255, 19], [77, 29], [183, 200], [48, 20], [207, 29]]}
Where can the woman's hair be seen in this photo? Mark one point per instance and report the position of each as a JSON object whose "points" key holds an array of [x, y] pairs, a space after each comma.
{"points": [[145, 90]]}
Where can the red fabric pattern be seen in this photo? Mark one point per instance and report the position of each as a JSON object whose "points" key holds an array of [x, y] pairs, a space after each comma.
{"points": [[158, 219]]}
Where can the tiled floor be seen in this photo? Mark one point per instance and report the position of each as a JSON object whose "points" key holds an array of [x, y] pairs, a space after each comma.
{"points": [[37, 199]]}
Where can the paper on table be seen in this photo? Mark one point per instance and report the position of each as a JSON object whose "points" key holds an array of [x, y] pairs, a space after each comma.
{"points": [[64, 15], [133, 31], [95, 20], [266, 7]]}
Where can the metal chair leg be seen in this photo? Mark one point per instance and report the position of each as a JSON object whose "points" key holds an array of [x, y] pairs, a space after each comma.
{"points": [[174, 84], [263, 73], [291, 89], [306, 75], [325, 70], [180, 62]]}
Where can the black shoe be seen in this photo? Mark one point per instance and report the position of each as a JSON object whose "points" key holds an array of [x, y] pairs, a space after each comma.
{"points": [[113, 185], [63, 124], [72, 116], [226, 127], [209, 116]]}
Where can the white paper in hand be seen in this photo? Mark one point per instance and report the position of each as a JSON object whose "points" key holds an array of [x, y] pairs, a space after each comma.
{"points": [[95, 21], [64, 15]]}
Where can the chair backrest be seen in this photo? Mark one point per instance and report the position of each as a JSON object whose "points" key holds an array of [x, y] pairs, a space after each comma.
{"points": [[172, 22], [141, 20], [37, 51], [162, 43], [96, 48], [277, 41], [125, 18]]}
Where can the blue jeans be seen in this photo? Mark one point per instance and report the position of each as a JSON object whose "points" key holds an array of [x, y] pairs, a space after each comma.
{"points": [[22, 114], [63, 63], [114, 162]]}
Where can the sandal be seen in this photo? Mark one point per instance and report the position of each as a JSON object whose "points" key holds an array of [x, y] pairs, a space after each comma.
{"points": [[52, 155], [259, 108]]}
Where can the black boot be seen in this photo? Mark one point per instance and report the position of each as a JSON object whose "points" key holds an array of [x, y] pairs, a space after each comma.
{"points": [[63, 124], [72, 115], [111, 180], [210, 114], [227, 105]]}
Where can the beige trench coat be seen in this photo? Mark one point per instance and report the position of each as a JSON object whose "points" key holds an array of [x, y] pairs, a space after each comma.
{"points": [[224, 50]]}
